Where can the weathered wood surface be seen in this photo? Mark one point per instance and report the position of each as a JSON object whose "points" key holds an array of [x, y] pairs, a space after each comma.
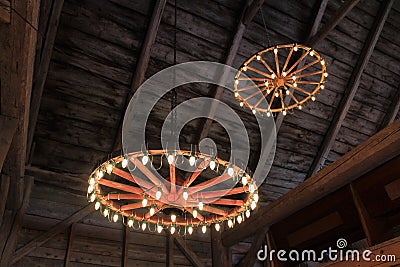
{"points": [[8, 126], [371, 153]]}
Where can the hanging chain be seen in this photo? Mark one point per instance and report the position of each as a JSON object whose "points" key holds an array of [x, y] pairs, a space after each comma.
{"points": [[265, 28]]}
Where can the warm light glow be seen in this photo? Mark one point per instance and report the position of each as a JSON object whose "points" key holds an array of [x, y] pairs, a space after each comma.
{"points": [[152, 211], [294, 77], [258, 57], [185, 194], [244, 180], [322, 86], [287, 92], [92, 197], [173, 229], [322, 62], [109, 168], [239, 218], [144, 225], [145, 159], [295, 48], [253, 205], [201, 205], [237, 81], [159, 228], [284, 74], [90, 189], [276, 94], [231, 171], [124, 163], [273, 76], [144, 202], [217, 226], [295, 84], [97, 205], [244, 68], [241, 104], [313, 98], [236, 94], [212, 165], [254, 111], [106, 212], [194, 213], [268, 91], [158, 193], [115, 217], [248, 213], [284, 113], [276, 51], [204, 228], [173, 218], [299, 107], [171, 159], [312, 53], [268, 114], [92, 181], [100, 174], [255, 197], [130, 222], [325, 74], [190, 229], [230, 223], [252, 188], [192, 160]]}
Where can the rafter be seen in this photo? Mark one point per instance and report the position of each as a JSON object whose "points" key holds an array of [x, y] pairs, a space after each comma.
{"points": [[247, 16], [71, 236], [393, 110], [8, 126], [380, 148], [43, 69], [143, 62], [55, 230], [189, 254], [352, 87]]}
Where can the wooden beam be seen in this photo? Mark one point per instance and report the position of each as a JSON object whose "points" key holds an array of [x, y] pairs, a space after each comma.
{"points": [[352, 87], [8, 126], [218, 251], [4, 186], [189, 254], [55, 230], [373, 230], [71, 236], [373, 152], [251, 255], [125, 246], [5, 11], [320, 10], [390, 247], [170, 250], [43, 69], [12, 237], [393, 110], [143, 62], [247, 16], [328, 27]]}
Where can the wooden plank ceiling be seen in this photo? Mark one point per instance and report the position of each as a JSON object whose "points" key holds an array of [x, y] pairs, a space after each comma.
{"points": [[93, 61]]}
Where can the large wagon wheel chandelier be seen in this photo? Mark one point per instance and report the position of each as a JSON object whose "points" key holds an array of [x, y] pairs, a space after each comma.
{"points": [[277, 74], [147, 202]]}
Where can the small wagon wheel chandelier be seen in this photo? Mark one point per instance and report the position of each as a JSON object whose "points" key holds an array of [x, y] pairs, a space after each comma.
{"points": [[147, 202], [277, 76]]}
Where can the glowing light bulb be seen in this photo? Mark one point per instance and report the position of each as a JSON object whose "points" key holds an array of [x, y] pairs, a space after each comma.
{"points": [[230, 223], [115, 217], [173, 229], [244, 68], [212, 165], [204, 228], [231, 171], [244, 180], [217, 226], [268, 114], [258, 57], [254, 111], [173, 218], [268, 91], [284, 74], [158, 193], [236, 81], [97, 205], [275, 51], [266, 83], [276, 94], [152, 211], [144, 225], [144, 202], [109, 168], [295, 84], [100, 174], [145, 159], [192, 160], [241, 104], [287, 92], [322, 86], [322, 62], [171, 159], [239, 218], [299, 107], [92, 197], [312, 53], [185, 194], [92, 181], [130, 222], [325, 74], [313, 98], [190, 229], [247, 213], [294, 77], [253, 205], [201, 205], [236, 94], [106, 212], [124, 163], [256, 197], [273, 76], [90, 189], [194, 213], [159, 228], [251, 188], [295, 48], [284, 112]]}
